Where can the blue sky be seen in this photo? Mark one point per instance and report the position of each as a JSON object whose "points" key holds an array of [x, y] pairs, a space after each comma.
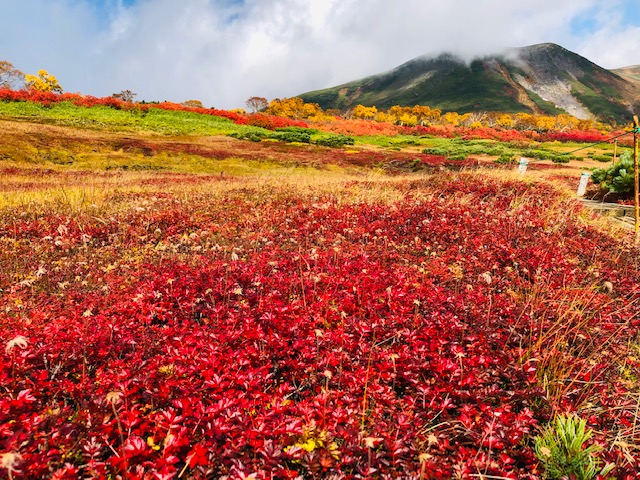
{"points": [[223, 51]]}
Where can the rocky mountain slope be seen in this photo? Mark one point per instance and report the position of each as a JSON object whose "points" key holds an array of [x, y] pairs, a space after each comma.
{"points": [[542, 79]]}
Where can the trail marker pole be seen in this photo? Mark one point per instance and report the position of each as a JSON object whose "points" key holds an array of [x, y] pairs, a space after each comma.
{"points": [[582, 187], [522, 166], [636, 130]]}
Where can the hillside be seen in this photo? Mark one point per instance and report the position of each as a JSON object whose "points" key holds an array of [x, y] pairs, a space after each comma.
{"points": [[632, 74], [543, 79]]}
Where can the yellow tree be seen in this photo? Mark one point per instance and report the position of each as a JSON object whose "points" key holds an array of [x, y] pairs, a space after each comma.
{"points": [[384, 117], [505, 120], [525, 121], [586, 124], [43, 82], [434, 115], [293, 107], [565, 121], [398, 111], [366, 113], [544, 122], [421, 112], [311, 110], [452, 118], [286, 107], [408, 120]]}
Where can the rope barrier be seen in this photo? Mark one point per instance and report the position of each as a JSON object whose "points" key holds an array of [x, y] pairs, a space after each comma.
{"points": [[599, 143]]}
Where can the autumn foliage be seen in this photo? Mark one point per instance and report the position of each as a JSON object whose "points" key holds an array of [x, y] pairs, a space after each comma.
{"points": [[418, 120], [275, 334], [379, 325], [48, 97], [43, 82]]}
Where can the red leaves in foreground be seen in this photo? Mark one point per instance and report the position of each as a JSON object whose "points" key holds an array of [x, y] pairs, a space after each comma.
{"points": [[250, 336]]}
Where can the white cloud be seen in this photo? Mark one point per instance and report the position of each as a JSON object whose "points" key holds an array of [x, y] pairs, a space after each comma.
{"points": [[612, 43], [222, 52]]}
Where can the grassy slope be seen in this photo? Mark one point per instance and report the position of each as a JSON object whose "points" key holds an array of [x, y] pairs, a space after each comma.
{"points": [[631, 74], [71, 137], [456, 88], [65, 136], [113, 120]]}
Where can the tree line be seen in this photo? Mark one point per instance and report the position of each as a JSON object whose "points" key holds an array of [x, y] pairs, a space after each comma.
{"points": [[424, 115]]}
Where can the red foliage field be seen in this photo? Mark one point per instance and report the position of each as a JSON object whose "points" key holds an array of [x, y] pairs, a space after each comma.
{"points": [[416, 328]]}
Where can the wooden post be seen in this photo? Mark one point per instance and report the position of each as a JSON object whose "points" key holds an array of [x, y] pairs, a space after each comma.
{"points": [[636, 186], [615, 152]]}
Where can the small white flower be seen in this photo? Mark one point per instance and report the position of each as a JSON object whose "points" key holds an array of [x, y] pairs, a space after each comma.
{"points": [[371, 442], [545, 451], [20, 341], [486, 276], [8, 460], [114, 398]]}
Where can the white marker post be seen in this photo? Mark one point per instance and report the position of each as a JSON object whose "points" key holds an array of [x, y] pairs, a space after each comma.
{"points": [[522, 165], [582, 187]]}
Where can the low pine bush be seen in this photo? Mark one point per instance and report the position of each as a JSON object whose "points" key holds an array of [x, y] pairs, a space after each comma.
{"points": [[563, 451], [618, 178], [334, 141]]}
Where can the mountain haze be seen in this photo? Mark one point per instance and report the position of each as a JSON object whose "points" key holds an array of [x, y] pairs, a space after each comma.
{"points": [[541, 79]]}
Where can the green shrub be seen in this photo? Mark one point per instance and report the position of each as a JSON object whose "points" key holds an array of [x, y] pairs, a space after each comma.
{"points": [[251, 136], [287, 136], [506, 159], [443, 152], [537, 154], [563, 453], [403, 142], [334, 141], [310, 131], [497, 150], [618, 178]]}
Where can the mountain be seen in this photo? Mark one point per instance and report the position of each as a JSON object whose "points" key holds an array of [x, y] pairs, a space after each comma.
{"points": [[542, 79]]}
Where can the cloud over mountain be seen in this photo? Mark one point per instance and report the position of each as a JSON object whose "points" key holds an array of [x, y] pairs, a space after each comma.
{"points": [[223, 51]]}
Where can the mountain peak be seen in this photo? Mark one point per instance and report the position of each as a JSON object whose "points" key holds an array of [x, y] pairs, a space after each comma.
{"points": [[545, 79]]}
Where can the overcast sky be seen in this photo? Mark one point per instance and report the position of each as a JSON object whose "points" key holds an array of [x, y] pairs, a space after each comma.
{"points": [[223, 51]]}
